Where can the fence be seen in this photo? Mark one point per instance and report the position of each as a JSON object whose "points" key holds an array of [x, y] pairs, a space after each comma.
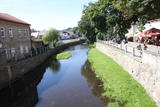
{"points": [[124, 47], [11, 55], [131, 47]]}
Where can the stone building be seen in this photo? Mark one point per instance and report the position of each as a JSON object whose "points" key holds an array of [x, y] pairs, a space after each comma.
{"points": [[15, 37]]}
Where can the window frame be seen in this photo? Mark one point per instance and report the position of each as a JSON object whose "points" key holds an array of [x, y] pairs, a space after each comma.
{"points": [[3, 31], [19, 32], [13, 52], [10, 32]]}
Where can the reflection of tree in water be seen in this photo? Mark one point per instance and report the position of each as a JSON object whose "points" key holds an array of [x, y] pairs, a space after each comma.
{"points": [[77, 47], [94, 82], [71, 48], [54, 65]]}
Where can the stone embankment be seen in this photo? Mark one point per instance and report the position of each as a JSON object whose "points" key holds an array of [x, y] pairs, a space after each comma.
{"points": [[145, 69], [13, 71]]}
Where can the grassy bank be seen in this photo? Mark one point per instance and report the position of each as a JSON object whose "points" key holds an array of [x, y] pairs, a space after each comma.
{"points": [[118, 84], [64, 55]]}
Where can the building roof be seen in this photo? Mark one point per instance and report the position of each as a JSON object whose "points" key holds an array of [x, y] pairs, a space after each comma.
{"points": [[7, 17]]}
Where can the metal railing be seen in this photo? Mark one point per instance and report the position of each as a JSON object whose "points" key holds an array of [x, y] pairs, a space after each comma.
{"points": [[124, 47], [131, 47], [12, 55]]}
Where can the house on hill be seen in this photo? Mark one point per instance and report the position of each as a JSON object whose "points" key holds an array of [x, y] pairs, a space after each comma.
{"points": [[67, 34]]}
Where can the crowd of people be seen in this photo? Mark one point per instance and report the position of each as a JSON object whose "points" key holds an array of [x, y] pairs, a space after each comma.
{"points": [[150, 40]]}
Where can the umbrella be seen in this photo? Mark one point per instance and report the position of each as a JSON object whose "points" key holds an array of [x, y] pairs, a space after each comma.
{"points": [[150, 33]]}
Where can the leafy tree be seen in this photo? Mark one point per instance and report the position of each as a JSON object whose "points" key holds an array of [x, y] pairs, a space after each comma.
{"points": [[139, 11], [33, 30], [86, 29], [51, 37], [114, 17]]}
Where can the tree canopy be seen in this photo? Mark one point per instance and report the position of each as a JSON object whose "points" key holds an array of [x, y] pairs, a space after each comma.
{"points": [[114, 17], [51, 37]]}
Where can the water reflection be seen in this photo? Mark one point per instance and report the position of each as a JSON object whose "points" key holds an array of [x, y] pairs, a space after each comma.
{"points": [[64, 83], [96, 84], [23, 92], [54, 66], [68, 87], [93, 82]]}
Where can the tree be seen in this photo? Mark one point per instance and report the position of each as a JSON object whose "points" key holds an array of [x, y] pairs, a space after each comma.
{"points": [[51, 37], [114, 17], [33, 30], [101, 18], [139, 11], [87, 29]]}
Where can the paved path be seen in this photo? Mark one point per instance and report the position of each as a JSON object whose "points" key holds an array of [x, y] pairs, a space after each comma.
{"points": [[131, 47]]}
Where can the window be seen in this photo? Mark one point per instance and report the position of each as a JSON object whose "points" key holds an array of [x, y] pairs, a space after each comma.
{"points": [[1, 45], [25, 32], [19, 32], [2, 33], [21, 49], [26, 48], [10, 32], [13, 51]]}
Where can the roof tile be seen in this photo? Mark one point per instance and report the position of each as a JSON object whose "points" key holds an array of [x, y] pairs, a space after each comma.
{"points": [[7, 17]]}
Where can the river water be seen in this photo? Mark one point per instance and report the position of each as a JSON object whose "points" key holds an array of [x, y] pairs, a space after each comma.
{"points": [[64, 83]]}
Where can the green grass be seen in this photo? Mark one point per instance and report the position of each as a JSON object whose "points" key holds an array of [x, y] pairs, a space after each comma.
{"points": [[118, 84], [64, 55]]}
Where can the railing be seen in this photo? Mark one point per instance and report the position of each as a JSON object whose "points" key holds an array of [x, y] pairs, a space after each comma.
{"points": [[131, 47], [124, 47], [12, 55]]}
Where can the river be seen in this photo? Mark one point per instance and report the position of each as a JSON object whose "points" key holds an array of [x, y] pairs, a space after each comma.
{"points": [[64, 83]]}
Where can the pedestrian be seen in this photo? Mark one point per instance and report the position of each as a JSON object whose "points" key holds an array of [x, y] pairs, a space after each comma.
{"points": [[139, 47], [145, 47]]}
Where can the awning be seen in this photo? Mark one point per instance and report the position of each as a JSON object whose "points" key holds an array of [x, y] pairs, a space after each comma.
{"points": [[150, 33]]}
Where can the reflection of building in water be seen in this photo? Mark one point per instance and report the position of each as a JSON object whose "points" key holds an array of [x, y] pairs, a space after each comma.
{"points": [[23, 92]]}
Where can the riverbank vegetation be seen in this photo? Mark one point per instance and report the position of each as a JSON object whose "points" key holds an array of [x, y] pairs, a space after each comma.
{"points": [[118, 84], [64, 55], [89, 44], [113, 18]]}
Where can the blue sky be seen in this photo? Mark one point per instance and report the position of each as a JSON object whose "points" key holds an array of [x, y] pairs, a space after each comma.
{"points": [[45, 14]]}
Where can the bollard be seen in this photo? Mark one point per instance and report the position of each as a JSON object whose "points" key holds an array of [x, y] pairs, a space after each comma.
{"points": [[126, 48], [121, 46], [133, 51]]}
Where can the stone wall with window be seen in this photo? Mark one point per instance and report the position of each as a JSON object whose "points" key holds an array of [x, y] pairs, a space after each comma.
{"points": [[15, 38]]}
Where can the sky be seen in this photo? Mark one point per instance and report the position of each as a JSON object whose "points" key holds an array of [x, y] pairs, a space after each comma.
{"points": [[45, 14]]}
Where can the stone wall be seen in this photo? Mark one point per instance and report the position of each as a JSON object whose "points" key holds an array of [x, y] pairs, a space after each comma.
{"points": [[146, 70], [18, 41], [13, 71]]}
